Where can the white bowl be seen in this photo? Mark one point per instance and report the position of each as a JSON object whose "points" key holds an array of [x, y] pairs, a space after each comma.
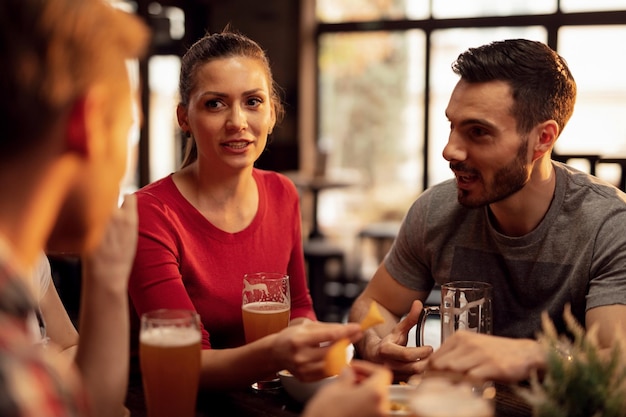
{"points": [[432, 396], [399, 395], [299, 390], [303, 391]]}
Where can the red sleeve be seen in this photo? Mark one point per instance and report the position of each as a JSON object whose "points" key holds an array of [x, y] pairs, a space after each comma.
{"points": [[155, 280]]}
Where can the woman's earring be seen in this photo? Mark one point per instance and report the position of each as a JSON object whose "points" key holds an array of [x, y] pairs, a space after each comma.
{"points": [[188, 133]]}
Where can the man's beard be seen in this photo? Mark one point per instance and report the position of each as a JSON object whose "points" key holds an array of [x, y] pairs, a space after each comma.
{"points": [[507, 181]]}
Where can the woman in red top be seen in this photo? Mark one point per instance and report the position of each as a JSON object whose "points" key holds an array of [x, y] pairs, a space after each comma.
{"points": [[217, 218]]}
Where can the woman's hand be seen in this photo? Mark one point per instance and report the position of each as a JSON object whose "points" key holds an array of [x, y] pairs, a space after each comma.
{"points": [[302, 349], [360, 390]]}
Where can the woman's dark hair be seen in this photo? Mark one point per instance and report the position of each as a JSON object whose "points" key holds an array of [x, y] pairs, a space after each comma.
{"points": [[226, 44], [541, 83]]}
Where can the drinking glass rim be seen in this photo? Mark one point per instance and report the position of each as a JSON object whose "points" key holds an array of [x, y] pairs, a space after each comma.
{"points": [[170, 316], [267, 275], [467, 285]]}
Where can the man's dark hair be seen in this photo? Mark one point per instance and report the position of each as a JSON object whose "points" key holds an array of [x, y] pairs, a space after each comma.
{"points": [[541, 83]]}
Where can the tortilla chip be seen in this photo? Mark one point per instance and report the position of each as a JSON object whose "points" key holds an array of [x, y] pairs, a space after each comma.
{"points": [[336, 358], [373, 317]]}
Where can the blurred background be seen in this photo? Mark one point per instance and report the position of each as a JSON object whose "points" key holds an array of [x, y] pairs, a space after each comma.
{"points": [[366, 83]]}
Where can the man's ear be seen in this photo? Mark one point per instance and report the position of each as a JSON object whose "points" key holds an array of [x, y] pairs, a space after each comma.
{"points": [[548, 132], [76, 136], [86, 122]]}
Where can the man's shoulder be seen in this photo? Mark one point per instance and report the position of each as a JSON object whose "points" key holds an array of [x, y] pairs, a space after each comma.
{"points": [[579, 184], [27, 381], [15, 298], [438, 206], [443, 194], [445, 189], [29, 384]]}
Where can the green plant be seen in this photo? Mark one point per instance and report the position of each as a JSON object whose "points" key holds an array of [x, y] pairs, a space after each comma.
{"points": [[579, 380]]}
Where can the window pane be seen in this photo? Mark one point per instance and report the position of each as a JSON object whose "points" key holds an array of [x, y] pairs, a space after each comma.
{"points": [[479, 8], [597, 125], [590, 6], [371, 121], [333, 11], [164, 148], [446, 47]]}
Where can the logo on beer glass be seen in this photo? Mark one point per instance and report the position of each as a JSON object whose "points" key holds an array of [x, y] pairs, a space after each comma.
{"points": [[465, 305]]}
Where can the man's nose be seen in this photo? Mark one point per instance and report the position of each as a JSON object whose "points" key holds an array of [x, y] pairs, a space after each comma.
{"points": [[454, 149]]}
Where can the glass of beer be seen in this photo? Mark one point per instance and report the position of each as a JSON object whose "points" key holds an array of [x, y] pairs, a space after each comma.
{"points": [[169, 355], [266, 305]]}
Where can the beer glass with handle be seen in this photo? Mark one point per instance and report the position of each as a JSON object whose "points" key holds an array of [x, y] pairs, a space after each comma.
{"points": [[169, 355], [465, 305], [266, 306]]}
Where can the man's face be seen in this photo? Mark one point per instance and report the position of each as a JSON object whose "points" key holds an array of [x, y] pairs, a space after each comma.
{"points": [[488, 157], [91, 201]]}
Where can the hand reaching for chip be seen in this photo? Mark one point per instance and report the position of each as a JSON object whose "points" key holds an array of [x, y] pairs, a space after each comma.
{"points": [[372, 318], [362, 390], [336, 358]]}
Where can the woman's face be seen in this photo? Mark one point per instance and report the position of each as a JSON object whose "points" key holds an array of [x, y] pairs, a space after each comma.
{"points": [[229, 112]]}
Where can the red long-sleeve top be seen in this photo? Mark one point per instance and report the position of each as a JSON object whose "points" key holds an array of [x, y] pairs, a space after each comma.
{"points": [[184, 261]]}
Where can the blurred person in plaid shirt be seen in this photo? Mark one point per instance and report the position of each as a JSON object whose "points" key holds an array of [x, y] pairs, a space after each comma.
{"points": [[65, 115]]}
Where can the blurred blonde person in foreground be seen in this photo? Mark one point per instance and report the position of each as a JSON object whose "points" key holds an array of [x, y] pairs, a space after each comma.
{"points": [[64, 117], [360, 390], [103, 271], [104, 337]]}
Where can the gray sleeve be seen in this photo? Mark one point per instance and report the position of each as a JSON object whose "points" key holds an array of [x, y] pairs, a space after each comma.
{"points": [[405, 261]]}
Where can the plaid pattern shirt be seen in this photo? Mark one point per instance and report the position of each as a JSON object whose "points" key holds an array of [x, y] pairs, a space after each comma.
{"points": [[30, 386]]}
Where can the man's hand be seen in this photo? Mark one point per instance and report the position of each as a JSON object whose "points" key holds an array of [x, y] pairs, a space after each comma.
{"points": [[488, 357], [112, 260], [392, 351]]}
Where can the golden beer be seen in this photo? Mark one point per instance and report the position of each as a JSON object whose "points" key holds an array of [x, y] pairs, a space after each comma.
{"points": [[265, 309], [263, 318], [170, 367]]}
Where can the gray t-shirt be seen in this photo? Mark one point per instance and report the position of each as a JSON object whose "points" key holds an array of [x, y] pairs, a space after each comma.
{"points": [[576, 255]]}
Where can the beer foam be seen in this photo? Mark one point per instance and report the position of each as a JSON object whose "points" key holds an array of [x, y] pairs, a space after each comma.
{"points": [[170, 336], [266, 307]]}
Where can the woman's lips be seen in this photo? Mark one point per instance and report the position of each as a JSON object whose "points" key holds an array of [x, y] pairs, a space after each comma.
{"points": [[236, 145]]}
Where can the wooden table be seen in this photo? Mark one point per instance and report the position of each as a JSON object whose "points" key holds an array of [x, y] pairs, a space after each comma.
{"points": [[276, 403], [234, 403]]}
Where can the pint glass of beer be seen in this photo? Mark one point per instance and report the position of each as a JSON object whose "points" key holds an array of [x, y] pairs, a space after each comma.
{"points": [[169, 354], [266, 305]]}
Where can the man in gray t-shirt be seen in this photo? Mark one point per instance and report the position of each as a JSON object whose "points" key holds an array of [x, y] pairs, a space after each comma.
{"points": [[543, 234]]}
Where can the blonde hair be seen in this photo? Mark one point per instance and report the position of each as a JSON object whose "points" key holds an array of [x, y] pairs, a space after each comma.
{"points": [[52, 51]]}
